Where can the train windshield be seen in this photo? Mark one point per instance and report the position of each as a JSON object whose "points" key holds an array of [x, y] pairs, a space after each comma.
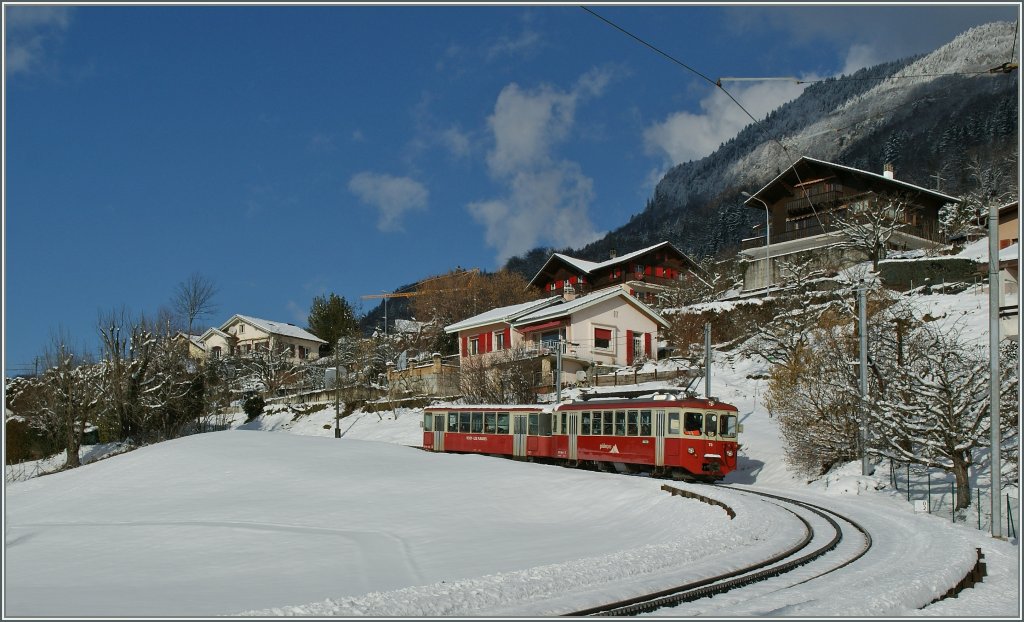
{"points": [[710, 424], [728, 425], [692, 423], [428, 422]]}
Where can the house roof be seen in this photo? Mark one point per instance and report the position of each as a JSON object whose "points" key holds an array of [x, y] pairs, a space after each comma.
{"points": [[212, 331], [274, 328], [896, 183], [501, 314], [589, 267], [568, 307]]}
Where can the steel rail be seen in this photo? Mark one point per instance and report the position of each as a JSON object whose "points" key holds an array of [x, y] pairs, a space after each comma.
{"points": [[753, 573]]}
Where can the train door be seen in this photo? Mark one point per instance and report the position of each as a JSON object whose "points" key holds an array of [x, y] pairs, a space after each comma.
{"points": [[573, 431], [439, 432], [519, 429], [659, 438]]}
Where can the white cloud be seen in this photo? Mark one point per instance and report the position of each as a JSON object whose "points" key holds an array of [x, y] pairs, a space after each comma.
{"points": [[456, 141], [526, 124], [685, 136], [543, 207], [392, 196], [547, 200], [527, 42], [861, 55], [31, 32]]}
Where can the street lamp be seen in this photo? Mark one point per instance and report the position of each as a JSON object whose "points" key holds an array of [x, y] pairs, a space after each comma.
{"points": [[767, 240]]}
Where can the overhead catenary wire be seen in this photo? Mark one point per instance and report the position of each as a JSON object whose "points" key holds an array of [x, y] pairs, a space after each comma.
{"points": [[717, 84]]}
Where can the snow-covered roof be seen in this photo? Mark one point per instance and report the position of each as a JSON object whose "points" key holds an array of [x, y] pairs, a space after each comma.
{"points": [[589, 267], [274, 328], [883, 178], [408, 326], [568, 307], [501, 314], [1010, 253], [212, 331]]}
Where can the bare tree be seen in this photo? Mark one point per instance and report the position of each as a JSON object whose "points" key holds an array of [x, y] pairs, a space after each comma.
{"points": [[506, 377], [869, 225], [71, 395], [936, 411], [968, 217], [193, 298]]}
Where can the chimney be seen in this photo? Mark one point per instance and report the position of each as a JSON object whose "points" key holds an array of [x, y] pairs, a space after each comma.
{"points": [[888, 171], [612, 254]]}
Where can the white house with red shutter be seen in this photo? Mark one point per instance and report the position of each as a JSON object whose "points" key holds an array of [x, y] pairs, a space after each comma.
{"points": [[608, 328]]}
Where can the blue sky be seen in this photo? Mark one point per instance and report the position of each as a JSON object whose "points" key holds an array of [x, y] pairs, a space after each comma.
{"points": [[288, 151]]}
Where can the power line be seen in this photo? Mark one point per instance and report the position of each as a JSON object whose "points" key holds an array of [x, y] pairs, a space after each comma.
{"points": [[718, 85]]}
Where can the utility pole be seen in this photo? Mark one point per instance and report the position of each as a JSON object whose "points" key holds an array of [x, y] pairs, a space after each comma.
{"points": [[993, 368], [707, 360], [558, 367], [863, 317], [337, 388]]}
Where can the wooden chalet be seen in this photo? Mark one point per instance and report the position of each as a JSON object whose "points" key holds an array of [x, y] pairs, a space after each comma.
{"points": [[644, 273], [803, 207]]}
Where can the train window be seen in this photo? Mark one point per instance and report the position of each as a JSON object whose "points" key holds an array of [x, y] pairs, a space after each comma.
{"points": [[620, 423], [490, 423], [692, 424], [585, 423], [534, 428], [727, 425], [453, 422], [645, 423], [711, 424], [428, 422], [609, 423], [477, 426], [596, 429], [545, 424], [673, 423], [502, 423], [464, 419], [562, 422], [632, 427]]}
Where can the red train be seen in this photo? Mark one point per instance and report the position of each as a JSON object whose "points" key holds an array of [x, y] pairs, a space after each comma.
{"points": [[667, 434]]}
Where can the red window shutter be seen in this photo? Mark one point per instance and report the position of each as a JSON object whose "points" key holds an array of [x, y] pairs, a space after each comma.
{"points": [[629, 347], [647, 344], [572, 280], [508, 337], [465, 345], [602, 333], [487, 342], [659, 271], [647, 271]]}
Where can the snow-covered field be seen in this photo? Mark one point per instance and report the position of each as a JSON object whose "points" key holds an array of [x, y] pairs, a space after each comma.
{"points": [[278, 517]]}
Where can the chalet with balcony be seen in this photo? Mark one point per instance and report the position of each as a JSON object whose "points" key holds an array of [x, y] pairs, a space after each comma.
{"points": [[243, 335], [805, 205], [609, 327], [645, 273]]}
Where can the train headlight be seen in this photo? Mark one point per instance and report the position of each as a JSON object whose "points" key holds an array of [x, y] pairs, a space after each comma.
{"points": [[690, 450], [728, 452]]}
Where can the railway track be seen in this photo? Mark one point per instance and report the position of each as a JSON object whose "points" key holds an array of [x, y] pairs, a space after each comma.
{"points": [[831, 541]]}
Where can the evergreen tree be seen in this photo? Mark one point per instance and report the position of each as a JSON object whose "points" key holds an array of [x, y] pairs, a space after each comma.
{"points": [[331, 318]]}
